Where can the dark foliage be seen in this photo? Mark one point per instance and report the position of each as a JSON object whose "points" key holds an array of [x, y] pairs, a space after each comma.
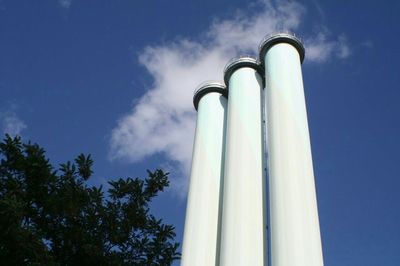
{"points": [[51, 217]]}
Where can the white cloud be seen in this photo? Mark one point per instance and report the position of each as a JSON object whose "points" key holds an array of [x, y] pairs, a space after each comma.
{"points": [[11, 123], [162, 121], [320, 48], [343, 48], [65, 3]]}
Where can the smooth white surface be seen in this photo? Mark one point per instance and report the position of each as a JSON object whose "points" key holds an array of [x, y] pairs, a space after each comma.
{"points": [[200, 241], [243, 221], [295, 234]]}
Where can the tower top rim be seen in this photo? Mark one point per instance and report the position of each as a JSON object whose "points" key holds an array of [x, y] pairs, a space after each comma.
{"points": [[207, 87], [239, 62], [270, 40]]}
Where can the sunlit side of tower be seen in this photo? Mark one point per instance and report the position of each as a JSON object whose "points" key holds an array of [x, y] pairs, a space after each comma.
{"points": [[295, 234], [243, 220], [201, 234]]}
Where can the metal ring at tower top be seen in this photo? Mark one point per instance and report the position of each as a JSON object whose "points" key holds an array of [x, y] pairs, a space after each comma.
{"points": [[207, 87], [236, 63], [271, 40]]}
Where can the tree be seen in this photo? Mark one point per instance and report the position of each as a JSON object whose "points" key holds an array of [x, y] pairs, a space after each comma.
{"points": [[53, 217]]}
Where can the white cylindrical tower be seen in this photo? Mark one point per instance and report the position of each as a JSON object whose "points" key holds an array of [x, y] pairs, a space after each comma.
{"points": [[201, 235], [243, 215], [294, 226]]}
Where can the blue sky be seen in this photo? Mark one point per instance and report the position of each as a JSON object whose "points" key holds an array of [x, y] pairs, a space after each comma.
{"points": [[115, 79]]}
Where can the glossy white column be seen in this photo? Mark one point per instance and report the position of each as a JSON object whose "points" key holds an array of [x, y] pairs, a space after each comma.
{"points": [[201, 235], [243, 215], [295, 234]]}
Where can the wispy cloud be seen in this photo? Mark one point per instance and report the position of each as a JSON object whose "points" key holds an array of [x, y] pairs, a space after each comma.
{"points": [[320, 48], [162, 121], [11, 124], [367, 44], [65, 3]]}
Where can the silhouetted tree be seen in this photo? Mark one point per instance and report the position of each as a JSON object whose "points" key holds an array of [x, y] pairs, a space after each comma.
{"points": [[52, 217]]}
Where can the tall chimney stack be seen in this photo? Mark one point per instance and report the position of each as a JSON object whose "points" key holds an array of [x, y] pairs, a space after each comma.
{"points": [[243, 215], [201, 234], [294, 226]]}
